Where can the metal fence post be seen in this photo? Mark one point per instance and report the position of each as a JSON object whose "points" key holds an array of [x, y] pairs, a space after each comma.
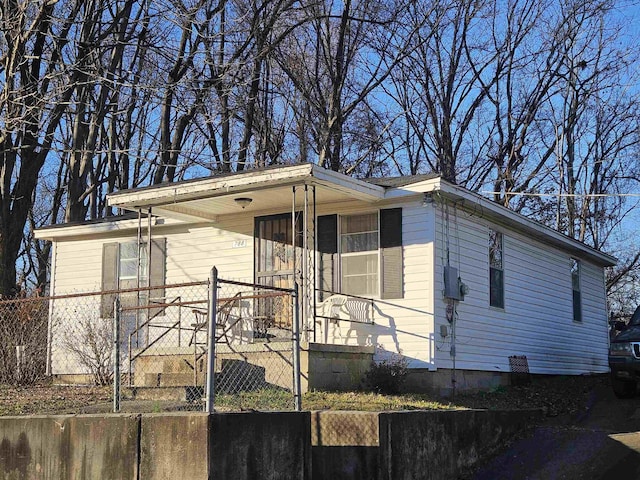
{"points": [[211, 341], [116, 355], [297, 396]]}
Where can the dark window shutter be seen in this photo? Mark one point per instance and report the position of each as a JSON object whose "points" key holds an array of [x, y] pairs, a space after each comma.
{"points": [[327, 253], [110, 253], [157, 274], [391, 250]]}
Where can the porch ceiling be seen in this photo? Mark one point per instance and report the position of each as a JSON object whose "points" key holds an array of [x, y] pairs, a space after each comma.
{"points": [[271, 189], [275, 198]]}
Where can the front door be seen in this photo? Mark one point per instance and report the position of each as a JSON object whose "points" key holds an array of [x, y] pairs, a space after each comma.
{"points": [[275, 262]]}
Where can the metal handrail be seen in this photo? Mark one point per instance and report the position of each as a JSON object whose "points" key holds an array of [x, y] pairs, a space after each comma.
{"points": [[149, 345]]}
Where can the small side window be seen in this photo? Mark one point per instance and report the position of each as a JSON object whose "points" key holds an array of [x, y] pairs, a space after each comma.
{"points": [[575, 286], [496, 270]]}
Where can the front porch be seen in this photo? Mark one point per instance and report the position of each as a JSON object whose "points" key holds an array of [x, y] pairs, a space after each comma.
{"points": [[163, 343]]}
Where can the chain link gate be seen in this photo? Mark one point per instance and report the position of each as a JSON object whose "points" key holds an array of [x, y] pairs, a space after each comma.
{"points": [[257, 360]]}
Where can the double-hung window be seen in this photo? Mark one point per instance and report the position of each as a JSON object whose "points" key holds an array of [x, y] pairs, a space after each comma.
{"points": [[359, 255], [496, 270], [575, 286], [123, 265], [128, 265]]}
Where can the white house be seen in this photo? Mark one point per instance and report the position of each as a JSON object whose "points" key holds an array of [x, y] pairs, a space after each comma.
{"points": [[442, 276]]}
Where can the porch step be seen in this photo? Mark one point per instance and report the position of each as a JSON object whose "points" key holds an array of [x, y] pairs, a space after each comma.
{"points": [[185, 393]]}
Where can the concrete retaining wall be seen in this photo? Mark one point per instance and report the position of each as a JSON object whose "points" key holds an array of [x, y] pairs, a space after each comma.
{"points": [[189, 446], [437, 445], [429, 445], [174, 446], [331, 445], [260, 445], [65, 447]]}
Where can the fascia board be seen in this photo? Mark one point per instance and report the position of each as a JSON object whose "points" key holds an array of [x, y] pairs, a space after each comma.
{"points": [[425, 186], [125, 227], [250, 181], [352, 186], [208, 187]]}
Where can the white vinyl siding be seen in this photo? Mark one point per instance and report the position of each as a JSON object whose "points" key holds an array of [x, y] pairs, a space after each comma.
{"points": [[537, 320]]}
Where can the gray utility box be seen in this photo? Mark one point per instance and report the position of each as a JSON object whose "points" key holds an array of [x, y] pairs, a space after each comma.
{"points": [[452, 283]]}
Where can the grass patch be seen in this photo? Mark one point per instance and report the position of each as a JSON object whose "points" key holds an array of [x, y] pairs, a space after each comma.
{"points": [[371, 401], [556, 395]]}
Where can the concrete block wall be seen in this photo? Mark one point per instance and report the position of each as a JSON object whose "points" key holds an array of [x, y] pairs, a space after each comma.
{"points": [[174, 446], [415, 445], [334, 367], [439, 382]]}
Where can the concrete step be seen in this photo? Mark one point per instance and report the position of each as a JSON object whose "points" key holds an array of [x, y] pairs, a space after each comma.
{"points": [[184, 393]]}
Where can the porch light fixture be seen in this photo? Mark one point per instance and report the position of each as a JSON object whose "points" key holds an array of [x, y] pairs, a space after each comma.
{"points": [[244, 201]]}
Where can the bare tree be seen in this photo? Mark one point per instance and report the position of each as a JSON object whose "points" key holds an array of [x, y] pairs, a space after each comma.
{"points": [[440, 87], [106, 30], [342, 55], [35, 93]]}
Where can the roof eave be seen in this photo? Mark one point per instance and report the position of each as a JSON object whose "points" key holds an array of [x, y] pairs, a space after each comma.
{"points": [[248, 181], [524, 224]]}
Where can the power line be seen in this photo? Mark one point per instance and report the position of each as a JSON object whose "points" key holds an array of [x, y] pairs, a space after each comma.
{"points": [[582, 195]]}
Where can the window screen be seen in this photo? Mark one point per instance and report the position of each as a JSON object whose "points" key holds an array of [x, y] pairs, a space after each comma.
{"points": [[359, 241]]}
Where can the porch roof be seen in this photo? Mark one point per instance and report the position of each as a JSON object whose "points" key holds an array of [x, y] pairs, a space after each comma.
{"points": [[206, 198]]}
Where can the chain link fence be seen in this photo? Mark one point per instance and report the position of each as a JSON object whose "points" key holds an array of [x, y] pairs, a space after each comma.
{"points": [[23, 340], [254, 347], [150, 347]]}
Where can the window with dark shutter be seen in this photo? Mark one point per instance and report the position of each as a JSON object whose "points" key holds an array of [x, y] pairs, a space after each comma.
{"points": [[359, 254], [119, 267], [370, 253], [110, 255]]}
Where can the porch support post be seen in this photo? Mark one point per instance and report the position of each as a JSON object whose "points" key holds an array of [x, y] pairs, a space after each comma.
{"points": [[305, 273], [314, 295], [297, 394], [305, 263], [116, 356], [211, 341], [293, 239]]}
